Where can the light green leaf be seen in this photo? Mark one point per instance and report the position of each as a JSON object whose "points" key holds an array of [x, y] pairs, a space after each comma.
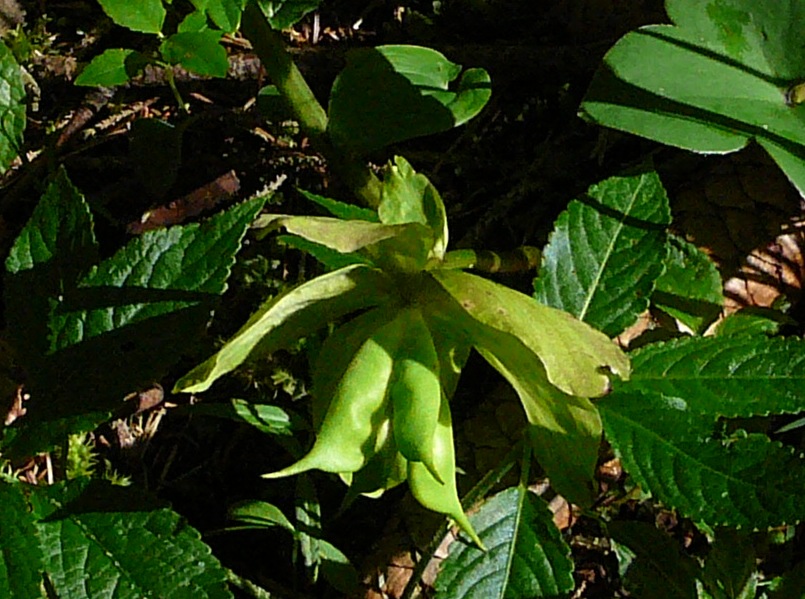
{"points": [[729, 569], [272, 420], [146, 16], [225, 13], [90, 527], [291, 315], [651, 563], [197, 51], [114, 67], [526, 557], [12, 107], [606, 252], [408, 197], [21, 559], [734, 376], [195, 21], [575, 356], [690, 289], [283, 14], [747, 481], [331, 259], [258, 514], [726, 68], [389, 94]]}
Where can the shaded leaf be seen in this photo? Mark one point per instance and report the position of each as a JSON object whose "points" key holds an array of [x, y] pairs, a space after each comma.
{"points": [[225, 13], [198, 51], [156, 150], [606, 252], [134, 546], [690, 289], [21, 559], [272, 420], [283, 14], [389, 94], [651, 563], [754, 320], [258, 514], [12, 107], [525, 558], [729, 570]]}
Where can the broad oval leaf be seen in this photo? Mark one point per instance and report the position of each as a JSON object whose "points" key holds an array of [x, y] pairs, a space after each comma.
{"points": [[198, 51], [90, 527], [726, 68], [606, 252], [732, 376], [748, 482], [575, 356], [392, 93], [291, 315], [114, 67], [146, 16], [12, 107], [526, 556]]}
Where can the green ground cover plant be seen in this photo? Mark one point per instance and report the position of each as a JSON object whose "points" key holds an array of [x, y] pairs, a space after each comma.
{"points": [[694, 418]]}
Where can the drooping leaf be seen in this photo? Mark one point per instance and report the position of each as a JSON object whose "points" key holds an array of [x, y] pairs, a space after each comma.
{"points": [[526, 557], [606, 252], [123, 324], [331, 259], [283, 14], [258, 514], [21, 560], [651, 563], [197, 51], [729, 570], [114, 67], [734, 376], [690, 289], [389, 94], [726, 68], [133, 546], [575, 355], [146, 16], [12, 108], [669, 449], [291, 315]]}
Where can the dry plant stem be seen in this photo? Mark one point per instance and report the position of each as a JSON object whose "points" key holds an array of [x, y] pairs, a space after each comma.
{"points": [[520, 451], [312, 118]]}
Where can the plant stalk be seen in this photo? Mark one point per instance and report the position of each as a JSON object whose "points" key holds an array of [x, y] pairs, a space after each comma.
{"points": [[312, 118], [518, 260]]}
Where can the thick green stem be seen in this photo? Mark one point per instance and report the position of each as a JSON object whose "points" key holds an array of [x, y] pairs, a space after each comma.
{"points": [[307, 110], [518, 260]]}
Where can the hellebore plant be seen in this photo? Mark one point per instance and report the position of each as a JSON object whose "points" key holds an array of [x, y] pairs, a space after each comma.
{"points": [[383, 379]]}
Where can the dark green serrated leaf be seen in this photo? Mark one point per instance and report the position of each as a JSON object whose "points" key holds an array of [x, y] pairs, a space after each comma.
{"points": [[125, 324], [197, 51], [690, 289], [651, 562], [56, 247], [754, 321], [526, 557], [146, 16], [114, 67], [133, 546], [734, 376], [749, 482], [21, 560], [606, 252], [341, 209], [12, 107]]}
